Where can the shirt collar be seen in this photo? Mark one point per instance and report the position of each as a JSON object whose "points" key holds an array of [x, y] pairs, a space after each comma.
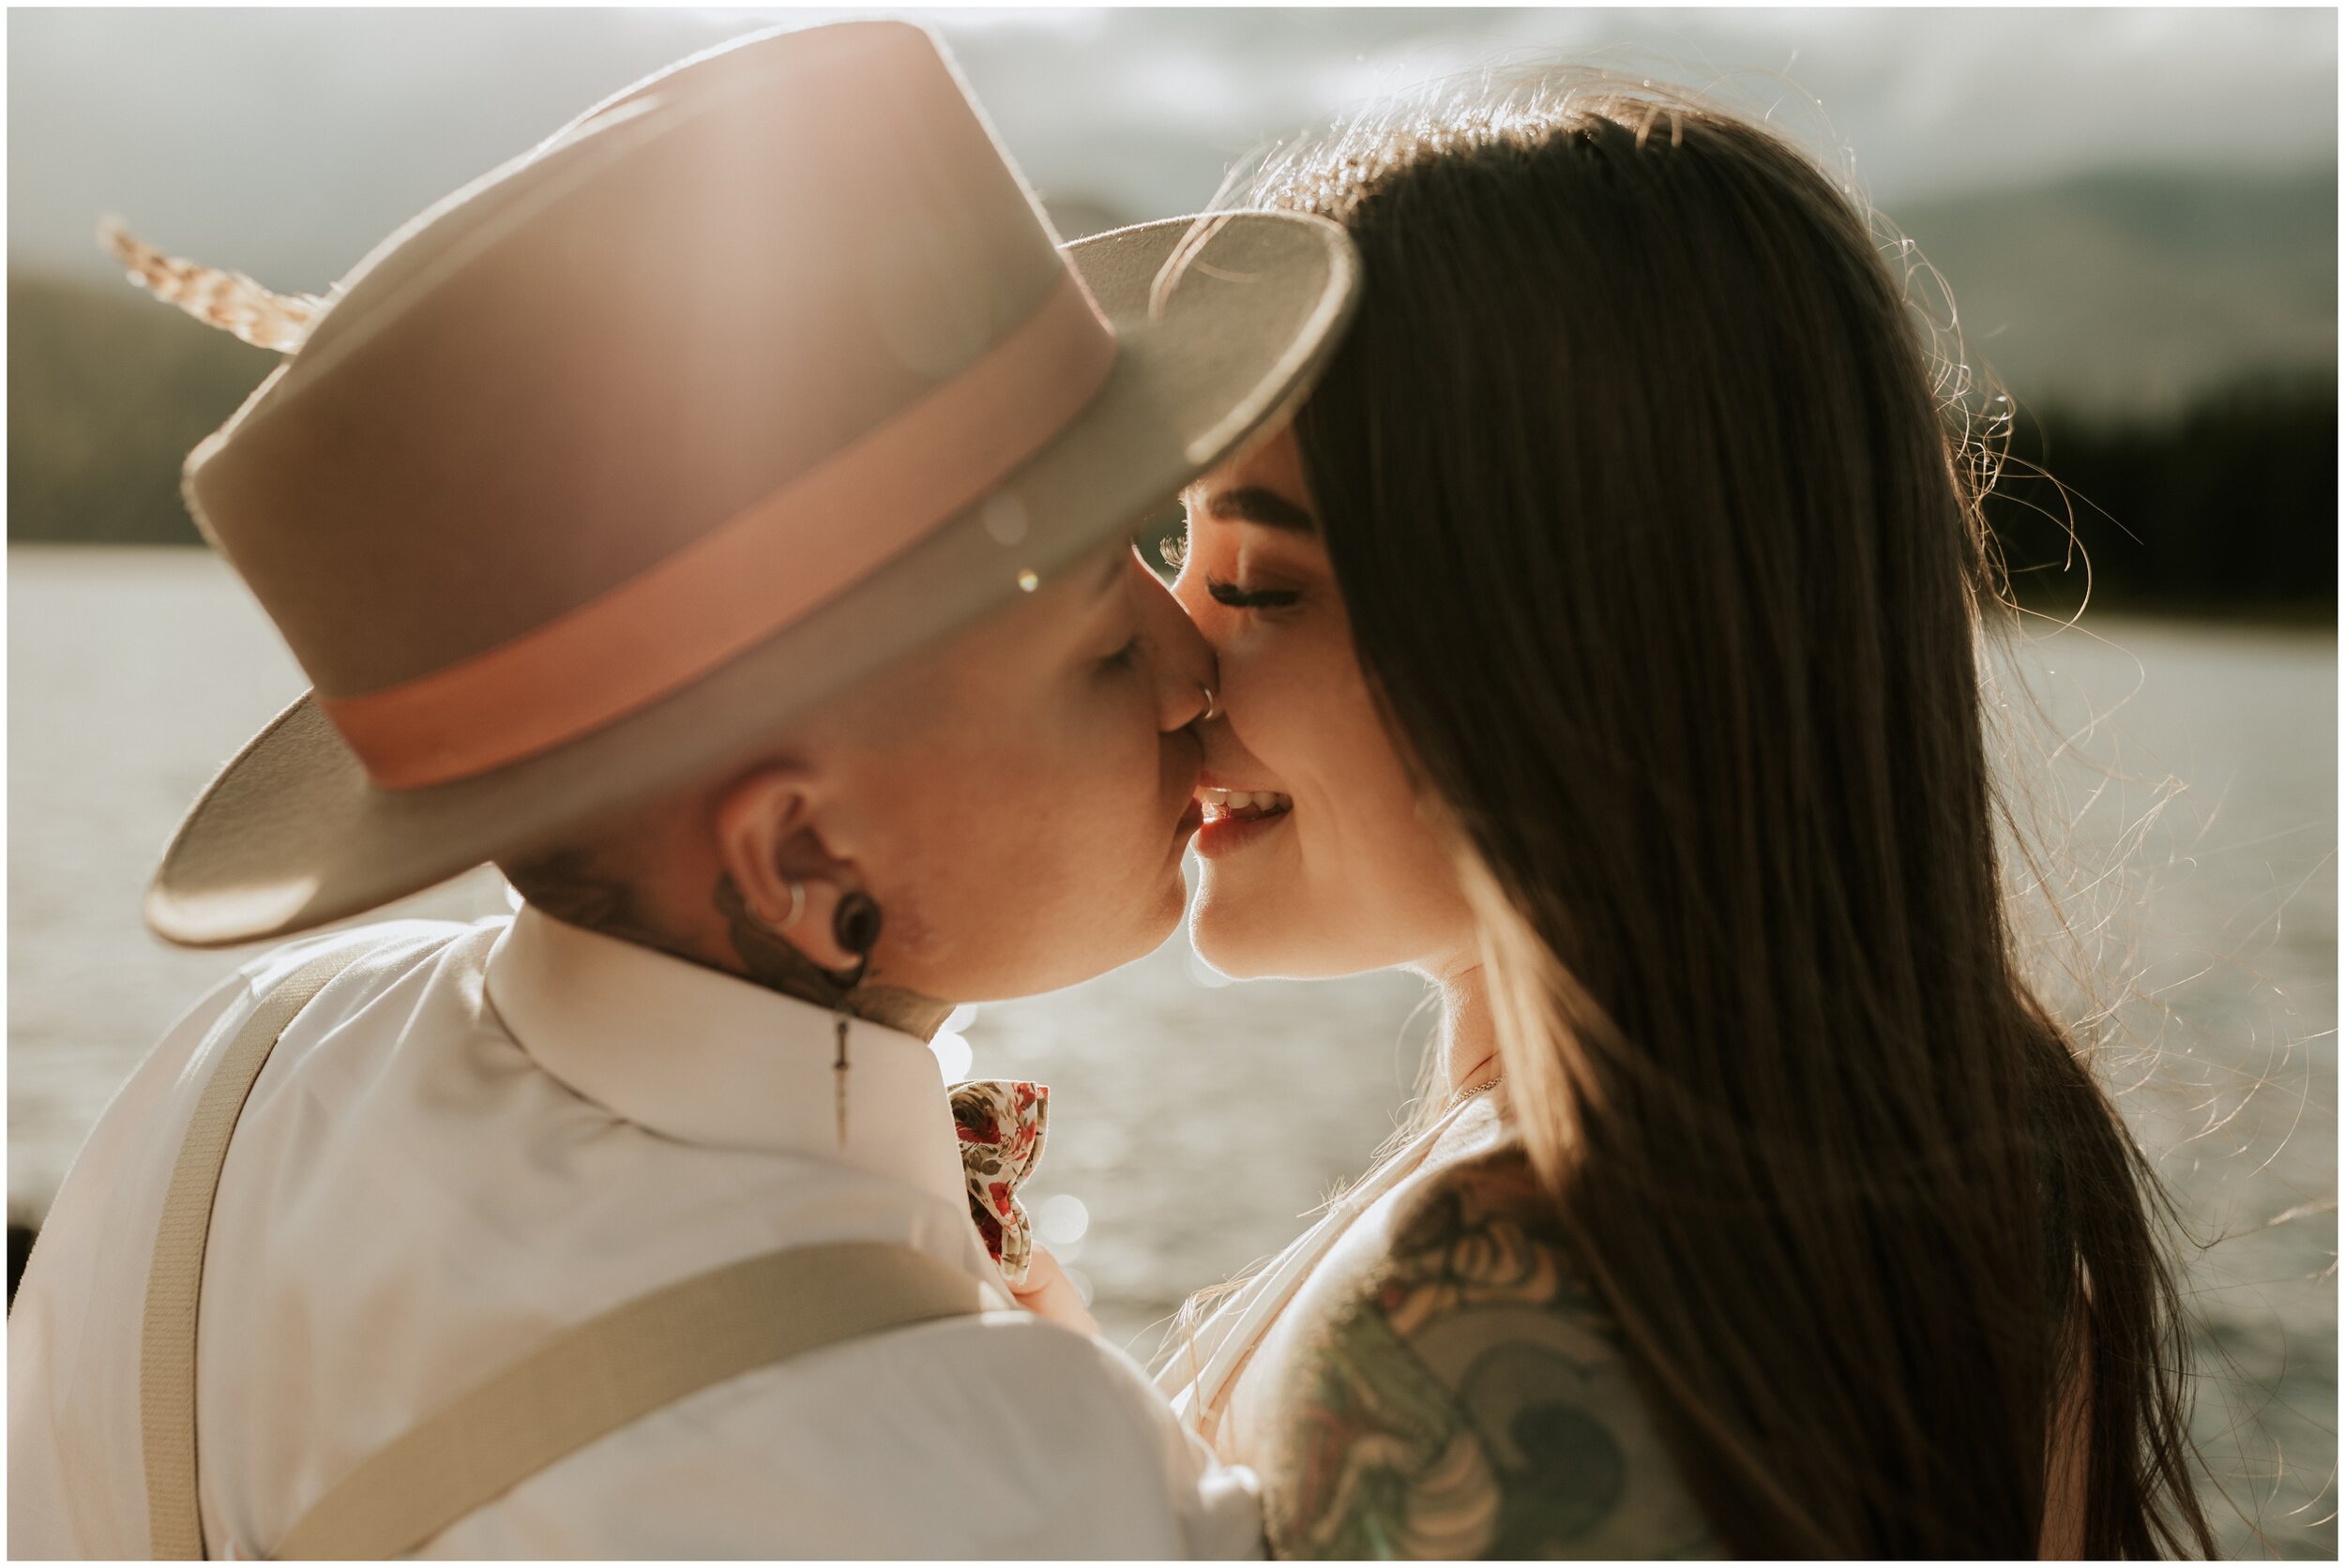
{"points": [[704, 1057]]}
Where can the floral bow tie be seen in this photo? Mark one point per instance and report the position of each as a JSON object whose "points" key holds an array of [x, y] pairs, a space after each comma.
{"points": [[1000, 1123]]}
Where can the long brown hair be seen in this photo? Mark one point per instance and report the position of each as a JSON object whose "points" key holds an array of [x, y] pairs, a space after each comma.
{"points": [[1669, 570]]}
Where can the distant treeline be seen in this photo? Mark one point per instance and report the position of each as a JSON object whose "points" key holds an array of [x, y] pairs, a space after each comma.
{"points": [[107, 392], [2227, 506]]}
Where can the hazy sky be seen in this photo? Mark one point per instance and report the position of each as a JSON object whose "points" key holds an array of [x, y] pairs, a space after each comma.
{"points": [[285, 141]]}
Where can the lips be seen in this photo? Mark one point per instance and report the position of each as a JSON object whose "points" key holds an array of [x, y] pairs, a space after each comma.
{"points": [[1236, 818], [1243, 805]]}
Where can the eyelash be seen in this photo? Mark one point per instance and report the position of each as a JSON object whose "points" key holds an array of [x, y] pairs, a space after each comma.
{"points": [[1175, 553], [1249, 598], [1123, 658]]}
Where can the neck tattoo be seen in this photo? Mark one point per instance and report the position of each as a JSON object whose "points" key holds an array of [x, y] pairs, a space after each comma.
{"points": [[763, 957]]}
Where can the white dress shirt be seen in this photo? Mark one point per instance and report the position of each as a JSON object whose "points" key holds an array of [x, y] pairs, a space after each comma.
{"points": [[482, 1134]]}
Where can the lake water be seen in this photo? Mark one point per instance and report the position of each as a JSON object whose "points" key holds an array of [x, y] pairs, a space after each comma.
{"points": [[1194, 1123]]}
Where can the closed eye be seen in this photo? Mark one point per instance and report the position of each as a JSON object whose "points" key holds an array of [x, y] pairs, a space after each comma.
{"points": [[1249, 598], [1123, 658]]}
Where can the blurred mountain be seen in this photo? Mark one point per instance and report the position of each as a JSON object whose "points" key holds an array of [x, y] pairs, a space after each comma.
{"points": [[2122, 296], [2229, 507], [107, 392], [2131, 293]]}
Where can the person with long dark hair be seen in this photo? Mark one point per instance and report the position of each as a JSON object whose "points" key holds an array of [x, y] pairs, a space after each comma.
{"points": [[1602, 640]]}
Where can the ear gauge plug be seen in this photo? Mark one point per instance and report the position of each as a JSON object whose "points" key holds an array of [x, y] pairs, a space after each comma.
{"points": [[856, 923]]}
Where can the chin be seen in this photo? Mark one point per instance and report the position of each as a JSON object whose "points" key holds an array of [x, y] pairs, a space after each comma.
{"points": [[1271, 938], [1170, 911], [1217, 930], [1106, 944], [1244, 939]]}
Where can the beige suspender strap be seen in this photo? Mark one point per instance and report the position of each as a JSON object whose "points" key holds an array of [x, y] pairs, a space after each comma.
{"points": [[588, 1381], [597, 1377], [175, 1280]]}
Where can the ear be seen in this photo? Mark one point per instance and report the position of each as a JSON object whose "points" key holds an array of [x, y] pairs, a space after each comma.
{"points": [[778, 826]]}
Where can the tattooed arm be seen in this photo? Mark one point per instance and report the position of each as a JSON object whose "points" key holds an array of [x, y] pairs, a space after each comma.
{"points": [[1473, 1400]]}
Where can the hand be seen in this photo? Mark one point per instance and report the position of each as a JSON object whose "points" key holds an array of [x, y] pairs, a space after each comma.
{"points": [[1049, 1293]]}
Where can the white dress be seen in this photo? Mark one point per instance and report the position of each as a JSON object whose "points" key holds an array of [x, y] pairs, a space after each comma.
{"points": [[1216, 1381]]}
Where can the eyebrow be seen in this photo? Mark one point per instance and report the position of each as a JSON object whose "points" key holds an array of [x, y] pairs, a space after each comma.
{"points": [[1264, 508]]}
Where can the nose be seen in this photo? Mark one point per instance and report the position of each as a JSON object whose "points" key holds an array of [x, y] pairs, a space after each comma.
{"points": [[1186, 675]]}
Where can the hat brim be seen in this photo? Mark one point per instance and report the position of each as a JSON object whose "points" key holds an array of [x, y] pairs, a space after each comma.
{"points": [[293, 835]]}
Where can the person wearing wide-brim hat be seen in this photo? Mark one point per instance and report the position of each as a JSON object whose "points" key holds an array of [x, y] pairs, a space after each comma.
{"points": [[718, 518]]}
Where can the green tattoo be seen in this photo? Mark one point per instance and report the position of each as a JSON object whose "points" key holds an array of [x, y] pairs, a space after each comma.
{"points": [[768, 958], [764, 957], [568, 885], [1474, 1401]]}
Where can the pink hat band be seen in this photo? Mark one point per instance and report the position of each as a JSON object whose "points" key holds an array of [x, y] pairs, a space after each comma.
{"points": [[758, 378], [642, 400], [747, 578]]}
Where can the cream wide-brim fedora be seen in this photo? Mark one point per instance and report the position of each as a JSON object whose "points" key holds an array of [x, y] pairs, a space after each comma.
{"points": [[737, 390]]}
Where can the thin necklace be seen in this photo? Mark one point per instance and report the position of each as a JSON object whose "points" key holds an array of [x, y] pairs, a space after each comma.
{"points": [[1463, 1095]]}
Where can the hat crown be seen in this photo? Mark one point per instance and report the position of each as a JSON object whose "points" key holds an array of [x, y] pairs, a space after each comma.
{"points": [[599, 354]]}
